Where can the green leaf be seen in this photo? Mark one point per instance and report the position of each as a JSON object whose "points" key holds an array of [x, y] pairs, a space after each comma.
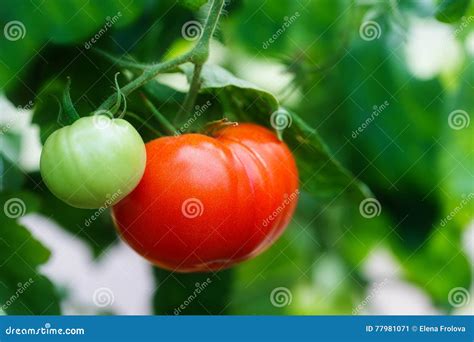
{"points": [[389, 141], [193, 5], [70, 112], [95, 227], [313, 31], [11, 176], [297, 275], [390, 138], [123, 61], [456, 157], [162, 93], [440, 265], [321, 175], [47, 112], [398, 154], [23, 289], [220, 81], [192, 293], [275, 268], [450, 11], [63, 22], [93, 81]]}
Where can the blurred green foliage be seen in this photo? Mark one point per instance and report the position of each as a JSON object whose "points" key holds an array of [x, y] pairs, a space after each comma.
{"points": [[415, 164]]}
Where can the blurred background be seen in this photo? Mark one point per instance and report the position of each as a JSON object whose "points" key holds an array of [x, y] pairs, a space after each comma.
{"points": [[389, 87]]}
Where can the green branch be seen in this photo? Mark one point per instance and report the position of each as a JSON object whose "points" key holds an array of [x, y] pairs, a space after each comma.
{"points": [[144, 123], [198, 56], [147, 75], [201, 50], [167, 126], [123, 62], [191, 95]]}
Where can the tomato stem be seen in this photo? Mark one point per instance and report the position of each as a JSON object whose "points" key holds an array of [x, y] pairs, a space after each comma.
{"points": [[144, 123], [69, 110], [191, 95], [201, 50], [167, 126], [198, 56], [214, 126], [118, 102], [147, 75]]}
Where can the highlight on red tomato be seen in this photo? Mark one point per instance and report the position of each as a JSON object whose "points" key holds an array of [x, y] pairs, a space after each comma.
{"points": [[208, 202]]}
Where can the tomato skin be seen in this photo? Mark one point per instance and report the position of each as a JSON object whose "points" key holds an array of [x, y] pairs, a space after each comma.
{"points": [[204, 203], [94, 162]]}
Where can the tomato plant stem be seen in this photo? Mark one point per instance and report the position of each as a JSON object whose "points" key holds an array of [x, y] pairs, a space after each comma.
{"points": [[201, 50], [214, 126], [144, 123], [147, 75], [191, 95], [198, 56], [71, 114], [168, 127]]}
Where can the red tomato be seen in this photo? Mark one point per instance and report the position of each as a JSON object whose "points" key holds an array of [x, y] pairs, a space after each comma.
{"points": [[207, 203]]}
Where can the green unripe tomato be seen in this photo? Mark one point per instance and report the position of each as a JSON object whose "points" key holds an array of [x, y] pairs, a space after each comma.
{"points": [[94, 162]]}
